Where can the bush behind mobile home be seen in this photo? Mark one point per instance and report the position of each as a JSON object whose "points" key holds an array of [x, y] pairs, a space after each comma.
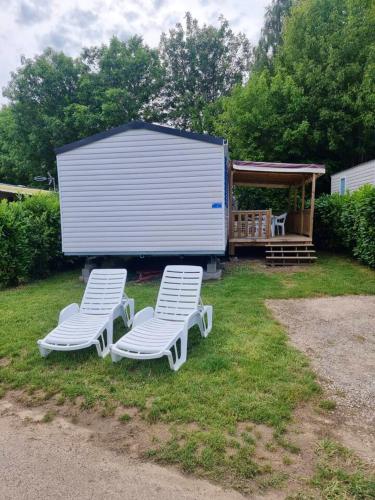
{"points": [[347, 223]]}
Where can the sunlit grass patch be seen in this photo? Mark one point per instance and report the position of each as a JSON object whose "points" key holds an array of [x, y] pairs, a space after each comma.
{"points": [[339, 474]]}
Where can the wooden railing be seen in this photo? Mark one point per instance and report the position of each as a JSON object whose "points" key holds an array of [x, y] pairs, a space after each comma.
{"points": [[251, 224], [298, 222]]}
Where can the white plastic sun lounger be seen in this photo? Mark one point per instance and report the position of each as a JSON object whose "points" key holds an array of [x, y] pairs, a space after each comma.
{"points": [[104, 300], [164, 331]]}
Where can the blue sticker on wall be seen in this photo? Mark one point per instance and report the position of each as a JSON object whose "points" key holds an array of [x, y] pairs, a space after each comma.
{"points": [[218, 204]]}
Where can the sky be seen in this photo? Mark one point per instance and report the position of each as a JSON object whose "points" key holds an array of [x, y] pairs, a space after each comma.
{"points": [[29, 26]]}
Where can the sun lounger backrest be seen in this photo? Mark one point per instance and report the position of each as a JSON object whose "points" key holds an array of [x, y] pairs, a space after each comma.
{"points": [[104, 290], [179, 292]]}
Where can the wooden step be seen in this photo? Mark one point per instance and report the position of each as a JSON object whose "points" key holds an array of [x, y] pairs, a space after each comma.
{"points": [[286, 264], [294, 257], [290, 254], [289, 245], [290, 251]]}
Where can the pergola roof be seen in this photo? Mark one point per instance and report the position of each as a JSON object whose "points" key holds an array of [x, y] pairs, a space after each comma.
{"points": [[264, 166], [12, 189], [273, 174]]}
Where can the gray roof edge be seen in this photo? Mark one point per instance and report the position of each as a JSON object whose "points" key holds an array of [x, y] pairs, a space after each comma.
{"points": [[365, 163]]}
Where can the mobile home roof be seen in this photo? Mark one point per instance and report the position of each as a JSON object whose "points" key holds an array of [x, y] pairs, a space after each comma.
{"points": [[138, 124], [370, 163]]}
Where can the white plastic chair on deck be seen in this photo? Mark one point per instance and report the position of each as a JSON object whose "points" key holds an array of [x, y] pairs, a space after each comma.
{"points": [[164, 331], [104, 300], [279, 224], [263, 222]]}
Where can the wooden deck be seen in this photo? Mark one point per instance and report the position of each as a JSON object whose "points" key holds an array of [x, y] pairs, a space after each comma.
{"points": [[288, 238], [253, 228]]}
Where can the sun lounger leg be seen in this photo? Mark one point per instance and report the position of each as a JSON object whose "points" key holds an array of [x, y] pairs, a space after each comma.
{"points": [[205, 321], [129, 312], [43, 351], [179, 349], [102, 344], [115, 357]]}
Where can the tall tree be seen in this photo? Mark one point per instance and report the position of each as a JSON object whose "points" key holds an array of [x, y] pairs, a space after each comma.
{"points": [[12, 166], [121, 80], [39, 92], [201, 64], [318, 103], [271, 34], [329, 51], [55, 99]]}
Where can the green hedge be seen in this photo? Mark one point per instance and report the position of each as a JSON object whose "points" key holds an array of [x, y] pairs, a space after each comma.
{"points": [[30, 239], [347, 223]]}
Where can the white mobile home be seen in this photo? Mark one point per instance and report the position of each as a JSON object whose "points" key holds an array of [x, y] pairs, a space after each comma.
{"points": [[142, 189], [353, 178]]}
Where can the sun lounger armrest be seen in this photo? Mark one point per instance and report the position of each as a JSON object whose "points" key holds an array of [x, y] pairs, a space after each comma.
{"points": [[192, 319], [143, 315], [68, 311]]}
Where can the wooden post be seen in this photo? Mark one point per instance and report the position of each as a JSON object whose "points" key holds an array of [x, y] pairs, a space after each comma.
{"points": [[230, 209], [295, 199], [289, 198], [302, 206], [269, 224], [312, 205]]}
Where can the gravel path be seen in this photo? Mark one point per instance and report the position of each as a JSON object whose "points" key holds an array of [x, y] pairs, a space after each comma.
{"points": [[338, 334]]}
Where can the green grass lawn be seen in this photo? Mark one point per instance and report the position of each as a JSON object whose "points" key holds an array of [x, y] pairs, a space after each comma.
{"points": [[245, 371]]}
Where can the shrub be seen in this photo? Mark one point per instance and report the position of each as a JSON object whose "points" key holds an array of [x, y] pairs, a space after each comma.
{"points": [[327, 228], [347, 223], [30, 242]]}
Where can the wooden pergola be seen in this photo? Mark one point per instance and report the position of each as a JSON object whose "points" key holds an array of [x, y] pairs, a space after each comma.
{"points": [[254, 227]]}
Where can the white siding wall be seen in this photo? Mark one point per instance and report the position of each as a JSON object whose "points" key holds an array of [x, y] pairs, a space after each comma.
{"points": [[355, 177], [142, 192]]}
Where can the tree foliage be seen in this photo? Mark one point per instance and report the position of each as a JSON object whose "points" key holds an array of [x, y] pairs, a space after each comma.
{"points": [[318, 102], [271, 34], [39, 92], [310, 95], [202, 64], [120, 80], [329, 48], [55, 99], [11, 161]]}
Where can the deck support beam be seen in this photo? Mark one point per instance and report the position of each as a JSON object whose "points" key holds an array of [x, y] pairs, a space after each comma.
{"points": [[312, 205], [302, 206], [230, 208]]}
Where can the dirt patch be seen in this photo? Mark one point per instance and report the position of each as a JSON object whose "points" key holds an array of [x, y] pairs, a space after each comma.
{"points": [[39, 458], [4, 362], [114, 448], [338, 335], [107, 425]]}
